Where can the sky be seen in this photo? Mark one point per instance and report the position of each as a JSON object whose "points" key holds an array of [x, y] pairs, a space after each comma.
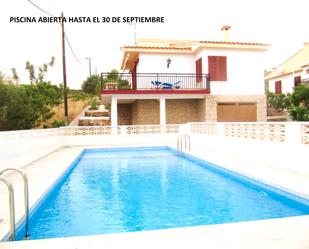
{"points": [[283, 24]]}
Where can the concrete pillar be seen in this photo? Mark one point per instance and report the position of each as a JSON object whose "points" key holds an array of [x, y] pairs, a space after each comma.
{"points": [[162, 111], [114, 112]]}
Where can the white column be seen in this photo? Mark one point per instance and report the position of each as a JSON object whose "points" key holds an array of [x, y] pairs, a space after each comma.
{"points": [[162, 111], [114, 112]]}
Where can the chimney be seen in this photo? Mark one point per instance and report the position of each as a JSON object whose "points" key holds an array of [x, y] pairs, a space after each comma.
{"points": [[226, 33]]}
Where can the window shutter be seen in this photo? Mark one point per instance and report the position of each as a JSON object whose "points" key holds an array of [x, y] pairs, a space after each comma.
{"points": [[217, 68], [278, 87], [212, 67], [297, 81], [222, 68], [199, 70]]}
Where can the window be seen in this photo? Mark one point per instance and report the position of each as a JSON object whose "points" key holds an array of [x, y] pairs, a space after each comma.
{"points": [[217, 68], [297, 81], [278, 87], [199, 70]]}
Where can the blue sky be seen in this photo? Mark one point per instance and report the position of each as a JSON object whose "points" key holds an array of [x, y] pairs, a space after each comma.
{"points": [[284, 24]]}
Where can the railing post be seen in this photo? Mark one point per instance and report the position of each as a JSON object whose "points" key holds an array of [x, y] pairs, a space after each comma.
{"points": [[208, 82], [101, 81], [26, 196], [11, 206]]}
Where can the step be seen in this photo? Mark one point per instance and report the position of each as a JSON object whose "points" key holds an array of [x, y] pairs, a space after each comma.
{"points": [[98, 113], [93, 121]]}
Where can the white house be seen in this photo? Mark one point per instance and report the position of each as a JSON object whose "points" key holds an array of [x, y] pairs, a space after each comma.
{"points": [[178, 81], [290, 73]]}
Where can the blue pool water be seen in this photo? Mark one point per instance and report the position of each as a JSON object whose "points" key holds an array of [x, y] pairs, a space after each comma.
{"points": [[135, 189]]}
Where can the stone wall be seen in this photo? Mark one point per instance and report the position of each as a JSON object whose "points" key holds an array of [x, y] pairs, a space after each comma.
{"points": [[146, 112], [212, 100], [96, 113], [94, 122], [180, 111], [201, 110], [124, 114]]}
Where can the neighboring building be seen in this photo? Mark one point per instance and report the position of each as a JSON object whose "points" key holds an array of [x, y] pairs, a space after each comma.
{"points": [[290, 73], [179, 81]]}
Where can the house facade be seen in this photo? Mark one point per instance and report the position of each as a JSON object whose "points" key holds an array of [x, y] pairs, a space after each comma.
{"points": [[179, 81], [290, 73]]}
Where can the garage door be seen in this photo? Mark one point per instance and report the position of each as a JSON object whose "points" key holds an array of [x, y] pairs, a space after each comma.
{"points": [[236, 112]]}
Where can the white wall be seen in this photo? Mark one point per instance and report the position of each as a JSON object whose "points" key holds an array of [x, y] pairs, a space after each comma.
{"points": [[287, 82], [245, 69], [157, 63], [18, 148]]}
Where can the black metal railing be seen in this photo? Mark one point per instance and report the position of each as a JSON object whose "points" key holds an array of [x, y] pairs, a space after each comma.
{"points": [[151, 81]]}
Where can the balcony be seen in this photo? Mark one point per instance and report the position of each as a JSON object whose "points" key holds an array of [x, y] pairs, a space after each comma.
{"points": [[154, 83]]}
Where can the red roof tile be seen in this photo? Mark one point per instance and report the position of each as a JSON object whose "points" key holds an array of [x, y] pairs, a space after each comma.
{"points": [[235, 43], [152, 47]]}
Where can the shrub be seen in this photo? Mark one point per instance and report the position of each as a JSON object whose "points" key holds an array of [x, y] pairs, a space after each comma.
{"points": [[279, 101], [57, 123], [299, 113], [91, 85], [94, 105], [299, 109], [115, 76], [300, 95]]}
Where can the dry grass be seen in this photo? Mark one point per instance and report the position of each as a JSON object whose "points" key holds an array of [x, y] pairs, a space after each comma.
{"points": [[74, 108]]}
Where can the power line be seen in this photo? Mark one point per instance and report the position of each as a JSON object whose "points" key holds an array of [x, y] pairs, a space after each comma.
{"points": [[40, 8], [67, 39]]}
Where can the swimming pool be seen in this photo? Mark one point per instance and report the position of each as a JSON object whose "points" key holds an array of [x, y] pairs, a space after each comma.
{"points": [[135, 189]]}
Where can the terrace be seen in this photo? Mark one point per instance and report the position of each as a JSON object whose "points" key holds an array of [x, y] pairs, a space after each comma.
{"points": [[155, 83]]}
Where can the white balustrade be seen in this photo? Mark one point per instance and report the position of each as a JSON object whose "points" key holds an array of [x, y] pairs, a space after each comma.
{"points": [[209, 128]]}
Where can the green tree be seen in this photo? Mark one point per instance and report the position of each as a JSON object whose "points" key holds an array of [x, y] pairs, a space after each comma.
{"points": [[297, 103], [91, 85], [299, 110], [15, 75], [16, 110], [279, 101], [39, 78], [115, 77], [299, 113], [300, 96], [27, 106], [43, 96]]}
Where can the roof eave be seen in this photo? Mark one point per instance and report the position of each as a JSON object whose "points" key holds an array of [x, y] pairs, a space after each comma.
{"points": [[272, 75], [262, 47]]}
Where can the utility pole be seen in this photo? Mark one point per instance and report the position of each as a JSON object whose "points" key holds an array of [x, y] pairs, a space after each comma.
{"points": [[66, 118], [89, 59]]}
